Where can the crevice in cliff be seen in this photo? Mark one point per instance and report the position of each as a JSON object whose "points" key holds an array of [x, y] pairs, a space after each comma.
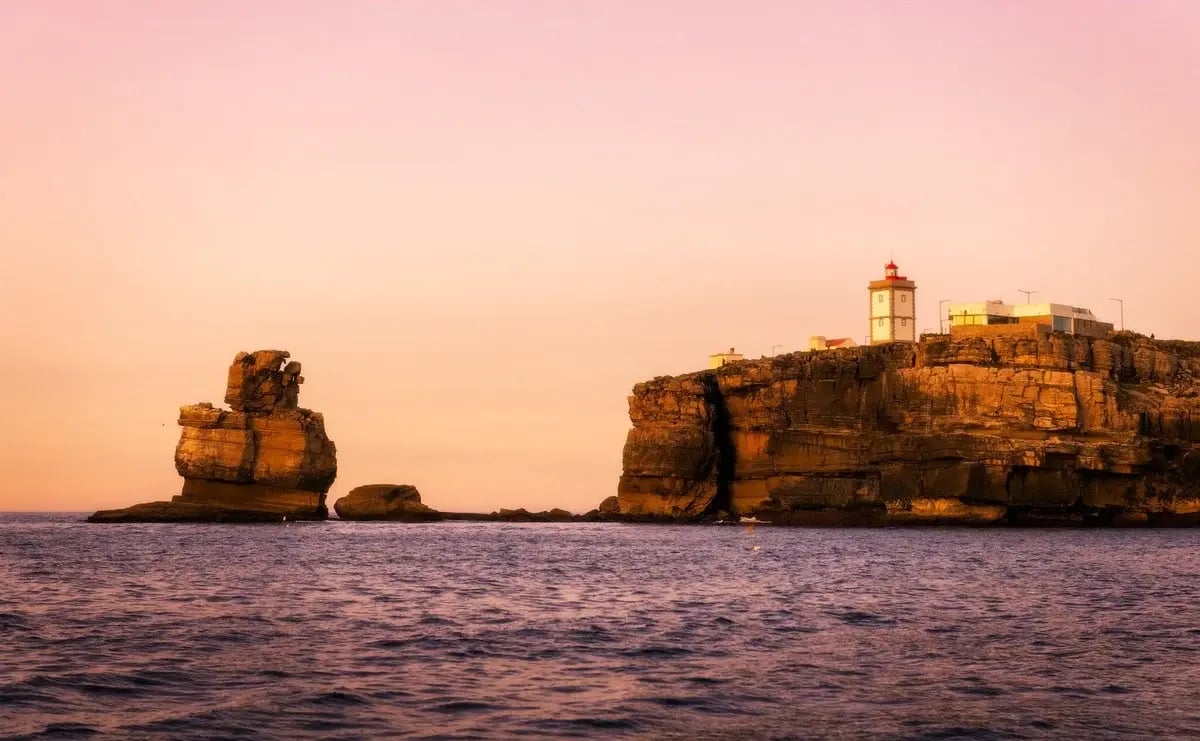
{"points": [[726, 463], [245, 473]]}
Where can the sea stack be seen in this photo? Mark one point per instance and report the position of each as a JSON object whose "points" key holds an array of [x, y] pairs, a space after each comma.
{"points": [[264, 459]]}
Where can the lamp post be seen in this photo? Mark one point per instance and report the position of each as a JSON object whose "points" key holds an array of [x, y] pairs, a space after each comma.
{"points": [[1122, 305], [941, 315], [773, 349], [1027, 294]]}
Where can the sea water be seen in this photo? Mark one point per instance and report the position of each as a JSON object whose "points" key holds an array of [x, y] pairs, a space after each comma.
{"points": [[491, 630]]}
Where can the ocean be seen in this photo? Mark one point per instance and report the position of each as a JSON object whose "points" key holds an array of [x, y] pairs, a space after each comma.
{"points": [[490, 630]]}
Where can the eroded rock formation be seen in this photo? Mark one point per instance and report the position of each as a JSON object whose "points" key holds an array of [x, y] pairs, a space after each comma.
{"points": [[264, 459], [398, 503], [402, 503], [1035, 427]]}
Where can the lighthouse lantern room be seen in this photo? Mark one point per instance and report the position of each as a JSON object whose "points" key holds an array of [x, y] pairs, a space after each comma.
{"points": [[893, 311]]}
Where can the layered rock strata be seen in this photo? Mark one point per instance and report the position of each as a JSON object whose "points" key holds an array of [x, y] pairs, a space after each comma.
{"points": [[990, 427], [263, 459]]}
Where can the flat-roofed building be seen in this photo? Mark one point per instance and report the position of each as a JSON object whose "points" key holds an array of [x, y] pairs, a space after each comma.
{"points": [[717, 360], [1058, 317]]}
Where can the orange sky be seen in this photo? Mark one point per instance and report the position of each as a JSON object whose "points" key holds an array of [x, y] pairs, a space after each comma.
{"points": [[477, 225]]}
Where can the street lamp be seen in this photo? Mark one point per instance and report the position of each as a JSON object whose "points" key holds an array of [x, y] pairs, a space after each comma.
{"points": [[773, 349], [1122, 305], [1027, 294], [941, 315]]}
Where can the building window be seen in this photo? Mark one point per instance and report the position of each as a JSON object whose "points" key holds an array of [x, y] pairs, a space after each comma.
{"points": [[879, 298], [881, 322], [903, 322], [903, 298]]}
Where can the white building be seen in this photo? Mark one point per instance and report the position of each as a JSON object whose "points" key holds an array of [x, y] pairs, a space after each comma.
{"points": [[723, 358], [821, 342], [893, 313], [1058, 317]]}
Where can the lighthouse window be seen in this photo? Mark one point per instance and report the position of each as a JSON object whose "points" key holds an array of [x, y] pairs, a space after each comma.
{"points": [[903, 322], [881, 322], [903, 297], [879, 298]]}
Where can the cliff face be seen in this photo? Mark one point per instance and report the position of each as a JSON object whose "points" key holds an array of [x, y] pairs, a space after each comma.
{"points": [[996, 428], [266, 458]]}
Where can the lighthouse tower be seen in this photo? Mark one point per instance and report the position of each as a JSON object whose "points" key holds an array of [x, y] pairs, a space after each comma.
{"points": [[893, 311]]}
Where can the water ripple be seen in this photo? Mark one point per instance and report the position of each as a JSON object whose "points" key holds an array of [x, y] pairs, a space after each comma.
{"points": [[484, 630]]}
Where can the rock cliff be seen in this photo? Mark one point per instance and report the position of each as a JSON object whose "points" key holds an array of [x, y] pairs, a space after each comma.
{"points": [[264, 459], [1015, 426]]}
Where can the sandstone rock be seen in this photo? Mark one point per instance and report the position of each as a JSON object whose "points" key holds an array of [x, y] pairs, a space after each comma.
{"points": [[1037, 427], [266, 459], [256, 384], [610, 506], [401, 503], [181, 512], [513, 515], [469, 516], [523, 515], [285, 449]]}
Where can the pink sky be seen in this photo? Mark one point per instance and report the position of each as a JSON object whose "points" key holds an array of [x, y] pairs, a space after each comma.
{"points": [[478, 224]]}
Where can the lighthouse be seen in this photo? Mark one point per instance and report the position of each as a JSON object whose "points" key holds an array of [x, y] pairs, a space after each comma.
{"points": [[893, 310]]}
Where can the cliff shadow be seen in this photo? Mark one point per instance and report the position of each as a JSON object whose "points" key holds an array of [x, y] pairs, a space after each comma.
{"points": [[726, 456]]}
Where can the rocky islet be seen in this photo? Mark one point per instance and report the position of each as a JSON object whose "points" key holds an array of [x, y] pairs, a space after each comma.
{"points": [[264, 459], [402, 503], [394, 502]]}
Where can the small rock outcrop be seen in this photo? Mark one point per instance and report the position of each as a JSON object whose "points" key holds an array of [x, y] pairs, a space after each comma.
{"points": [[990, 426], [174, 511], [523, 515], [264, 459], [396, 503]]}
